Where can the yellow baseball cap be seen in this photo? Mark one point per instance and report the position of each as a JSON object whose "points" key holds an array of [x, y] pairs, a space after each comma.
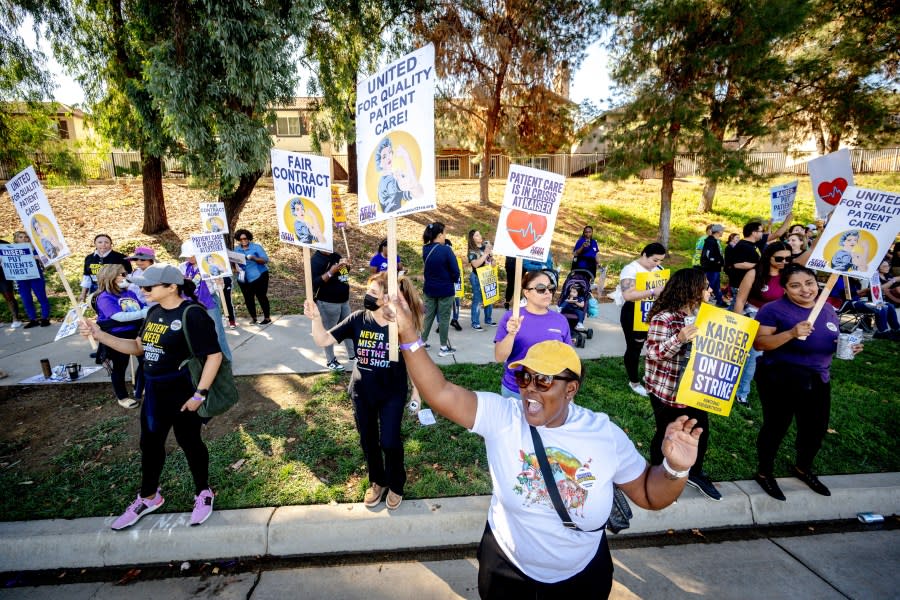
{"points": [[550, 357]]}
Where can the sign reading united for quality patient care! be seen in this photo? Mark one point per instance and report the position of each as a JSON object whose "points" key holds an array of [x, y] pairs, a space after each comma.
{"points": [[303, 199], [212, 217], [647, 281], [528, 216], [37, 217], [211, 256], [395, 138], [718, 354], [860, 232]]}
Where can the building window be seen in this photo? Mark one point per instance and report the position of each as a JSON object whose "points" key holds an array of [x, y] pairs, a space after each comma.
{"points": [[536, 162], [476, 168], [290, 126], [448, 167], [62, 129]]}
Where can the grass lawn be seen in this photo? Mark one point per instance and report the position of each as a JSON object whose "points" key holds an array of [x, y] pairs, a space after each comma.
{"points": [[310, 454]]}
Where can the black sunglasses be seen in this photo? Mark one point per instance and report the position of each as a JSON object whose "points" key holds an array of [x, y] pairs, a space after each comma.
{"points": [[147, 288], [542, 382], [541, 288], [780, 258]]}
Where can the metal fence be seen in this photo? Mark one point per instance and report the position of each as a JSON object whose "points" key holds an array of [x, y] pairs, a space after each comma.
{"points": [[93, 166]]}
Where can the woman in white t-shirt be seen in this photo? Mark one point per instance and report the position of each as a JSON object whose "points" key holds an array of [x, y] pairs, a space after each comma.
{"points": [[526, 550], [625, 296]]}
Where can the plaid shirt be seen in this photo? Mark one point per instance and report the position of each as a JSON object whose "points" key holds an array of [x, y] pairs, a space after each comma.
{"points": [[666, 356]]}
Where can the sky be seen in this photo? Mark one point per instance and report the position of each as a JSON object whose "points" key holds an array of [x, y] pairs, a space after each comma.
{"points": [[590, 82]]}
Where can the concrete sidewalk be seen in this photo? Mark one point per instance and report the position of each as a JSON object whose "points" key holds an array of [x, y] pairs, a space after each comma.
{"points": [[417, 525], [285, 346]]}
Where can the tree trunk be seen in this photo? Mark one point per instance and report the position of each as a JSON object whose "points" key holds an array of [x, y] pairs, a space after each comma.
{"points": [[235, 201], [485, 178], [352, 181], [665, 202], [155, 219], [709, 194]]}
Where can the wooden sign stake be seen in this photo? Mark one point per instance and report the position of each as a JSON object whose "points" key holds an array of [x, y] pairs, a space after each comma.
{"points": [[346, 247], [393, 332], [74, 301], [307, 273], [823, 297], [517, 288]]}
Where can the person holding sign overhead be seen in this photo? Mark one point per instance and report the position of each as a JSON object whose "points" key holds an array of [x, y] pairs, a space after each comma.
{"points": [[668, 350], [526, 551], [625, 296], [480, 254], [794, 378], [378, 387], [536, 323]]}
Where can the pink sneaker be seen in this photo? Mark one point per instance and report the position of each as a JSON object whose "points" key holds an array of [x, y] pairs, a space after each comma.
{"points": [[203, 507], [136, 510]]}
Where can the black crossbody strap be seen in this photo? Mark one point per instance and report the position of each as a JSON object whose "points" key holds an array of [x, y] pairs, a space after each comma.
{"points": [[550, 483]]}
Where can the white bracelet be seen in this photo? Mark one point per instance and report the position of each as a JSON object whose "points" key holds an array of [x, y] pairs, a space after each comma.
{"points": [[672, 472]]}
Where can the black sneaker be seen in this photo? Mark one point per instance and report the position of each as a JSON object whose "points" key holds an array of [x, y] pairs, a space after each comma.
{"points": [[45, 322], [811, 480], [265, 321], [455, 325], [30, 324], [769, 486], [706, 487], [334, 365]]}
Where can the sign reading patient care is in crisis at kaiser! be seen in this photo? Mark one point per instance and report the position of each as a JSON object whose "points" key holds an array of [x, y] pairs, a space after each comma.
{"points": [[860, 232], [303, 199], [37, 217], [718, 355], [211, 255], [528, 216], [395, 138], [830, 175]]}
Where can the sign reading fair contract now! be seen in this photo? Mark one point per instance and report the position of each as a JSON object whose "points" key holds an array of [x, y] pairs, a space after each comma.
{"points": [[718, 355]]}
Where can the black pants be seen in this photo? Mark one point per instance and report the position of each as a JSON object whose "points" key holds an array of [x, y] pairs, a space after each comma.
{"points": [[227, 283], [120, 367], [665, 414], [379, 414], [257, 289], [498, 578], [163, 398], [787, 392], [634, 342], [510, 267]]}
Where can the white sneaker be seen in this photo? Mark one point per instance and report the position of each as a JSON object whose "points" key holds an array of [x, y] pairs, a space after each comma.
{"points": [[638, 389], [16, 324], [580, 327]]}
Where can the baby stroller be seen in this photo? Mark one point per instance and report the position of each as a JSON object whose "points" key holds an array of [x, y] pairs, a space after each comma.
{"points": [[579, 280]]}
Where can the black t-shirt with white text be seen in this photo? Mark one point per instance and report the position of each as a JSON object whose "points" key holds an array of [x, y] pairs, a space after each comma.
{"points": [[743, 251], [373, 370], [93, 262], [163, 337]]}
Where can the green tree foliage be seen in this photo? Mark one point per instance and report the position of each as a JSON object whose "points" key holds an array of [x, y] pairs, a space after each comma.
{"points": [[843, 79], [215, 80], [345, 40], [500, 65], [693, 73], [107, 49]]}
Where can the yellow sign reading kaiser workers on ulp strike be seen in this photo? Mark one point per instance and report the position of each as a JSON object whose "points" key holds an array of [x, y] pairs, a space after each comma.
{"points": [[647, 281], [718, 354]]}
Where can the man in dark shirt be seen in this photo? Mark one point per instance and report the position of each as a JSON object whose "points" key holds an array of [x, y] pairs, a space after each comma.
{"points": [[744, 255], [711, 261]]}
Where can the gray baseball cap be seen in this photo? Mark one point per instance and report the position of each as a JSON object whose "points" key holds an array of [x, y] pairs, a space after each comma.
{"points": [[716, 228], [157, 274]]}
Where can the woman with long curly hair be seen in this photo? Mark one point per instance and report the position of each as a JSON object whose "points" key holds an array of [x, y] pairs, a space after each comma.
{"points": [[668, 350], [378, 387]]}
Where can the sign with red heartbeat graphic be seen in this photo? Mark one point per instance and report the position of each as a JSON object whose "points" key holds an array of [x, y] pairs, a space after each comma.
{"points": [[530, 205], [830, 175]]}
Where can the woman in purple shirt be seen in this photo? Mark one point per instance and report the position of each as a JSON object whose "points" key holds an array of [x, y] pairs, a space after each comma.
{"points": [[536, 323], [793, 377]]}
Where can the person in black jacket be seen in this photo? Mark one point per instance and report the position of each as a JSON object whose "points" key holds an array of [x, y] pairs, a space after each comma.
{"points": [[103, 254], [711, 261], [331, 292]]}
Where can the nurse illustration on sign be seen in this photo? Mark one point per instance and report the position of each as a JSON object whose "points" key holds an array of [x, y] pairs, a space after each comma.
{"points": [[397, 185], [305, 226], [853, 253]]}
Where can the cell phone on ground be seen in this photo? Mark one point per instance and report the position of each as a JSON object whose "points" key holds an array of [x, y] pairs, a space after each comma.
{"points": [[868, 518]]}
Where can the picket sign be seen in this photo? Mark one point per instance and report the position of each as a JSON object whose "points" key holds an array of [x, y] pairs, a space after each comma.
{"points": [[74, 302], [393, 332], [517, 288], [820, 302]]}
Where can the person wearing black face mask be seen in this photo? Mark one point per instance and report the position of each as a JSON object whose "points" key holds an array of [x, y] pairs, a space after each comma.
{"points": [[378, 387], [331, 291]]}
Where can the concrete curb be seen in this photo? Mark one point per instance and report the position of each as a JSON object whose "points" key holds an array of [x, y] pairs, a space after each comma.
{"points": [[417, 524]]}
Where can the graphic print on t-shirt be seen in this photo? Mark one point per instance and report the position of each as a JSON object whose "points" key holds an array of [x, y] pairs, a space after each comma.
{"points": [[372, 350], [153, 332], [129, 304], [573, 480]]}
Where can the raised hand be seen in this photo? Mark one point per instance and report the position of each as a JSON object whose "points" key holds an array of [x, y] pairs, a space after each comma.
{"points": [[679, 445]]}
